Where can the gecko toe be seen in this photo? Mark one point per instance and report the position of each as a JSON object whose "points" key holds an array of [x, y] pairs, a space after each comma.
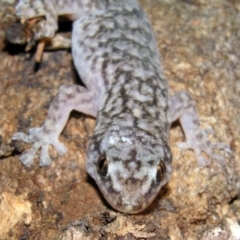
{"points": [[21, 136], [202, 161], [61, 149]]}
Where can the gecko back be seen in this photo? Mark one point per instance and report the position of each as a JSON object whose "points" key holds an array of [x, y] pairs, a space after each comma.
{"points": [[116, 55]]}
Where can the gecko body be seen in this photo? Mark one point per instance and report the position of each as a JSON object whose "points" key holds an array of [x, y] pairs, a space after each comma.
{"points": [[115, 54]]}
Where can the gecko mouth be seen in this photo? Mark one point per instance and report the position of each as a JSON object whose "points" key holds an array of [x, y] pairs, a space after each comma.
{"points": [[129, 204], [132, 198], [129, 207]]}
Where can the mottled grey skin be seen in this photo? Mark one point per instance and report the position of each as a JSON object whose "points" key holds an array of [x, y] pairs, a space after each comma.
{"points": [[116, 56]]}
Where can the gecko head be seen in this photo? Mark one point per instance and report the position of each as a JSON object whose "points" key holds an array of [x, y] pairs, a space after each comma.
{"points": [[129, 167]]}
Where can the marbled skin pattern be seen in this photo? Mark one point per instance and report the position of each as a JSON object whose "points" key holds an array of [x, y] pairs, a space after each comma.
{"points": [[116, 56]]}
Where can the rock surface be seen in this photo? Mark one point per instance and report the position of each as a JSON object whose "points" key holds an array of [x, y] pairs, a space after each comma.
{"points": [[199, 42]]}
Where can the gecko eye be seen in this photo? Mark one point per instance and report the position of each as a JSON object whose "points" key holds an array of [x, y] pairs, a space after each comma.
{"points": [[161, 170], [102, 166]]}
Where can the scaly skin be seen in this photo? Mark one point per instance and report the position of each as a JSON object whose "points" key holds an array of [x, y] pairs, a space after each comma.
{"points": [[116, 56]]}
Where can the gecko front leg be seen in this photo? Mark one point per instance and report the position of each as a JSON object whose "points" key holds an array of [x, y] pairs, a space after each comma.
{"points": [[26, 10], [182, 107], [70, 97]]}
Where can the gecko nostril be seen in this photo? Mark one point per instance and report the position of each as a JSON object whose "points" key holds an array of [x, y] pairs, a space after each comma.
{"points": [[102, 165]]}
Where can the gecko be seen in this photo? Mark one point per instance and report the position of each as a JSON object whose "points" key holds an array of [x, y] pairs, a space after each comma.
{"points": [[116, 56]]}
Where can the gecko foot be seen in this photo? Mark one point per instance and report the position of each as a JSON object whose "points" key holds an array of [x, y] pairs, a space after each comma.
{"points": [[40, 139], [198, 141]]}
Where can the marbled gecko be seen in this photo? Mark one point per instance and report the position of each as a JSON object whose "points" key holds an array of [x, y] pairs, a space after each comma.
{"points": [[116, 56]]}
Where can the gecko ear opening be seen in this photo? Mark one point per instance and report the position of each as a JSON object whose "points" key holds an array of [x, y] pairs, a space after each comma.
{"points": [[102, 166], [161, 171]]}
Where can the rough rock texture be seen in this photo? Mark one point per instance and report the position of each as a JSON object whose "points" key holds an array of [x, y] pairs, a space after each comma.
{"points": [[199, 41]]}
